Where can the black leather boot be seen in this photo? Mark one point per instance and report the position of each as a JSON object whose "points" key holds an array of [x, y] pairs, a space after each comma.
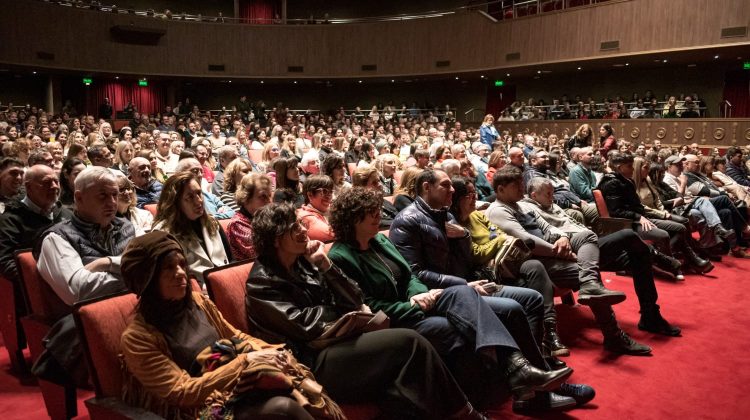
{"points": [[551, 342], [524, 379], [652, 321], [703, 266], [665, 262], [593, 293]]}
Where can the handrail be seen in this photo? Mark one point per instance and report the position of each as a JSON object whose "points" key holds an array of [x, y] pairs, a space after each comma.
{"points": [[516, 9]]}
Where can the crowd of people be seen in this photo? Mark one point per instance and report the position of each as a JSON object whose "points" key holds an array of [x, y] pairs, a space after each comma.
{"points": [[416, 210], [617, 107]]}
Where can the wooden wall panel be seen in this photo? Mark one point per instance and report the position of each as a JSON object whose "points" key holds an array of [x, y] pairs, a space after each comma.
{"points": [[80, 40], [707, 132]]}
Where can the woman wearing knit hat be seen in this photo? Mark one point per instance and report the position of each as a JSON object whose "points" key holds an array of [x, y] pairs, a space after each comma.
{"points": [[184, 359]]}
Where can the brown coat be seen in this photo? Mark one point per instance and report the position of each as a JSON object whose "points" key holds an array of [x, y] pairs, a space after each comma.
{"points": [[148, 359]]}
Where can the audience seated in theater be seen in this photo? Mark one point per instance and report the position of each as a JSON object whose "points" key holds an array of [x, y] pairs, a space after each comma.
{"points": [[719, 176], [309, 165], [213, 205], [700, 209], [147, 189], [271, 151], [24, 220], [486, 241], [369, 177], [11, 180], [288, 185], [582, 178], [496, 161], [735, 167], [126, 206], [484, 189], [668, 233], [182, 211], [227, 154], [368, 256], [699, 185], [406, 191], [572, 261], [179, 350], [294, 293], [232, 175], [253, 192], [80, 259], [334, 167], [203, 154], [480, 156], [620, 251]]}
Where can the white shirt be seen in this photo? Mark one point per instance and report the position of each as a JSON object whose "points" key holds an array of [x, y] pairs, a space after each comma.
{"points": [[62, 268]]}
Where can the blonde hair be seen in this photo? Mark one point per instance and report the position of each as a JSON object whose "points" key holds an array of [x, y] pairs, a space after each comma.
{"points": [[230, 173], [408, 184], [249, 185]]}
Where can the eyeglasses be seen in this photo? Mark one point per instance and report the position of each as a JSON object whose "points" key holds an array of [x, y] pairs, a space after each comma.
{"points": [[126, 190], [324, 191]]}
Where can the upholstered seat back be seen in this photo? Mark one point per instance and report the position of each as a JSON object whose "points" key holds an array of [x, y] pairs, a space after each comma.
{"points": [[226, 287]]}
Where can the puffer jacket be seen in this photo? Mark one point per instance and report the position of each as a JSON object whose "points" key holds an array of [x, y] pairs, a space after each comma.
{"points": [[419, 235]]}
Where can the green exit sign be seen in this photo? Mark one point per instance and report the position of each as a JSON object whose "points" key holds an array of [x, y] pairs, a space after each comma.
{"points": [[499, 83], [142, 82], [746, 65], [88, 81]]}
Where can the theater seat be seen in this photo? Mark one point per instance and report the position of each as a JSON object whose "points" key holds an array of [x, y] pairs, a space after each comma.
{"points": [[608, 224], [10, 327], [100, 323], [255, 155], [45, 309], [224, 223], [226, 288]]}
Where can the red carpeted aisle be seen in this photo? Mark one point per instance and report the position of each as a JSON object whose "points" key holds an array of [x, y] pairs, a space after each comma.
{"points": [[702, 375]]}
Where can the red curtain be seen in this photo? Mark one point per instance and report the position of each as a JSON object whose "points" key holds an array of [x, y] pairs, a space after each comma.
{"points": [[149, 99], [737, 92], [259, 12], [499, 98]]}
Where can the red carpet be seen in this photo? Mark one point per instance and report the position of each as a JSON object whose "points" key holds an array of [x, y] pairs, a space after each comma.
{"points": [[702, 375]]}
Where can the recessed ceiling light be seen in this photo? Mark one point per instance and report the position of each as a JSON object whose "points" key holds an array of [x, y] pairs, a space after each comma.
{"points": [[360, 81], [261, 82], [481, 77], [33, 72], [627, 64], [456, 77], [538, 72], [507, 74], [579, 68], [117, 77], [230, 81], [393, 81], [664, 61], [716, 57], [295, 82]]}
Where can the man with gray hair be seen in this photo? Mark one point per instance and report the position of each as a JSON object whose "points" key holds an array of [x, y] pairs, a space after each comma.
{"points": [[619, 251], [20, 227], [147, 189], [79, 259]]}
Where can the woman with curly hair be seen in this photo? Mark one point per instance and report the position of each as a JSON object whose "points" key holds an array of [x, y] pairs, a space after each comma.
{"points": [[233, 174], [181, 212], [253, 192]]}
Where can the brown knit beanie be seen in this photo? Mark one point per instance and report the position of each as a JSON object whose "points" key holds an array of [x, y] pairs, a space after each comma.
{"points": [[139, 260]]}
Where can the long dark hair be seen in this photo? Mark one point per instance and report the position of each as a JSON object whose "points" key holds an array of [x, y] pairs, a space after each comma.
{"points": [[461, 187], [169, 211], [608, 128], [66, 191]]}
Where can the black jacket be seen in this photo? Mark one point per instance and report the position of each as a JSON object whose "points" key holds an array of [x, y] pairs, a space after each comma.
{"points": [[20, 228], [295, 309], [621, 197], [419, 235]]}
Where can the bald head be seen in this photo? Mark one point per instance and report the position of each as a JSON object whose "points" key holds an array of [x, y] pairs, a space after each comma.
{"points": [[42, 186], [515, 155], [139, 171]]}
